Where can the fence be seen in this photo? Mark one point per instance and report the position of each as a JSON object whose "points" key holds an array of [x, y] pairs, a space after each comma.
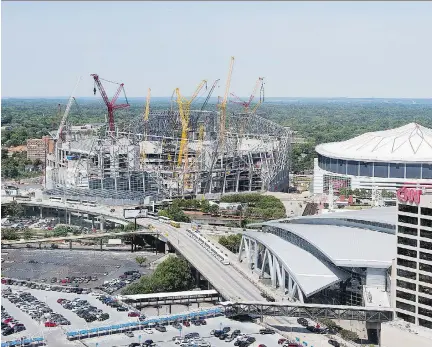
{"points": [[37, 341]]}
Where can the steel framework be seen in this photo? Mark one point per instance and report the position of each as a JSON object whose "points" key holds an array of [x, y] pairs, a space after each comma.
{"points": [[367, 314], [254, 156]]}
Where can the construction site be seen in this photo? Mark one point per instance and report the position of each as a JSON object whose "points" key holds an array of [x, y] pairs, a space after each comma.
{"points": [[183, 151]]}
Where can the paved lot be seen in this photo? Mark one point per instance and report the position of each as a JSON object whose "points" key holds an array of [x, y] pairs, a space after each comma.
{"points": [[165, 339], [62, 263]]}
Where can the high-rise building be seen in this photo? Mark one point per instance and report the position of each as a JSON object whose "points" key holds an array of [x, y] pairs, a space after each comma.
{"points": [[414, 256], [36, 149]]}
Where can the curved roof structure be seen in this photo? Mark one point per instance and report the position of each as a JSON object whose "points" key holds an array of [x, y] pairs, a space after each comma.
{"points": [[311, 274], [409, 143], [354, 247]]}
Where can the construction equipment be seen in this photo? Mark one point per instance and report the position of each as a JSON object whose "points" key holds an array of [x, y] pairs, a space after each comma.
{"points": [[146, 117], [261, 100], [209, 94], [223, 105], [68, 107], [110, 104], [246, 104], [184, 110]]}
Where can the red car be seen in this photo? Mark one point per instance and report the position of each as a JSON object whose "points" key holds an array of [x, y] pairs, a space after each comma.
{"points": [[261, 345], [60, 300], [186, 323], [134, 314], [50, 324], [281, 341]]}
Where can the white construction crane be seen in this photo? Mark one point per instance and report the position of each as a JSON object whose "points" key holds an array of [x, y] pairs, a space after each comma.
{"points": [[68, 107]]}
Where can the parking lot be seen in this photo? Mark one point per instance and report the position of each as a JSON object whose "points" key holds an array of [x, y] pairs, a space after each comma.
{"points": [[38, 264], [166, 338]]}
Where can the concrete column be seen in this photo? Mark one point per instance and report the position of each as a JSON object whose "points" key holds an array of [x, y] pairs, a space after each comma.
{"points": [[272, 262], [282, 287], [41, 212], [40, 245], [238, 181], [169, 309], [255, 254], [101, 244], [197, 277], [70, 244], [101, 222], [69, 217], [92, 221]]}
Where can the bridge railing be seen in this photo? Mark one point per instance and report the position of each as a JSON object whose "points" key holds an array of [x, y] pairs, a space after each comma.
{"points": [[206, 244]]}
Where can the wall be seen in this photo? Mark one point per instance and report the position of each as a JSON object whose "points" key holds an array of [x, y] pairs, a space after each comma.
{"points": [[394, 336]]}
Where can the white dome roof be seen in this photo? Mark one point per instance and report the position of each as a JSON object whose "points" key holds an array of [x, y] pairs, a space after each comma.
{"points": [[409, 143]]}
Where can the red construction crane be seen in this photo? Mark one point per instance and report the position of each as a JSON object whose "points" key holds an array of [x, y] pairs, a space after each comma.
{"points": [[246, 104], [110, 104]]}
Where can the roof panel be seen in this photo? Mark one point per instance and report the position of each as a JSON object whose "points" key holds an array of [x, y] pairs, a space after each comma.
{"points": [[409, 143], [309, 272], [347, 246]]}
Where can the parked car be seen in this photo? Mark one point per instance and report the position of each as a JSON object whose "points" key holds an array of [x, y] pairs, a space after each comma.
{"points": [[134, 314], [50, 324], [303, 322], [129, 334], [334, 343], [266, 331]]}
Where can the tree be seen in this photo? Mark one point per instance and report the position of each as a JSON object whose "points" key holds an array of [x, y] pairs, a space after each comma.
{"points": [[9, 234], [214, 209], [141, 260], [205, 206], [173, 274], [175, 213], [14, 209], [28, 234], [62, 230], [231, 242], [349, 335]]}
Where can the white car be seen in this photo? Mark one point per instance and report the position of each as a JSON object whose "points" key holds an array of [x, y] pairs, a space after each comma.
{"points": [[148, 330]]}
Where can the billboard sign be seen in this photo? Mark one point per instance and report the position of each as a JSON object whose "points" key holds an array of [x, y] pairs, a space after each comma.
{"points": [[411, 195], [132, 213]]}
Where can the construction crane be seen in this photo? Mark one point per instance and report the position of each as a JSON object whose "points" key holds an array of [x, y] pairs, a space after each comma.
{"points": [[246, 104], [209, 94], [110, 104], [261, 100], [184, 110], [68, 107], [223, 105], [146, 117]]}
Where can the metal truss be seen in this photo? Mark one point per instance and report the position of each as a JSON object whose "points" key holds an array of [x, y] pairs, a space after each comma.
{"points": [[373, 315], [140, 158]]}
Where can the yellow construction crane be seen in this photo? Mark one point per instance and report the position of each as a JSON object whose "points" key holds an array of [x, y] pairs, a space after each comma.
{"points": [[146, 117], [184, 110], [223, 104]]}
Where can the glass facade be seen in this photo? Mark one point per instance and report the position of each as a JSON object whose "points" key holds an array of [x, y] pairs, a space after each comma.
{"points": [[375, 169]]}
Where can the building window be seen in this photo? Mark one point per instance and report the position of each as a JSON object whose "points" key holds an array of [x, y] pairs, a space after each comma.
{"points": [[425, 323], [426, 233], [407, 230], [426, 222], [381, 170], [426, 245], [406, 274], [407, 263], [405, 295], [426, 290], [407, 242], [397, 170], [424, 301], [425, 267], [427, 171], [408, 208], [333, 165], [405, 307], [352, 168], [426, 211], [407, 252], [366, 169], [341, 166], [406, 285], [413, 170], [406, 317], [426, 256], [425, 278], [424, 312], [408, 219]]}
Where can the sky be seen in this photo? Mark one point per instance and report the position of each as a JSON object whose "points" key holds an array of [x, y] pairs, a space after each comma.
{"points": [[310, 49]]}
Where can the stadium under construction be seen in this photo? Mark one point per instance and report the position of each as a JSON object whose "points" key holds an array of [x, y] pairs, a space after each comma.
{"points": [[170, 153]]}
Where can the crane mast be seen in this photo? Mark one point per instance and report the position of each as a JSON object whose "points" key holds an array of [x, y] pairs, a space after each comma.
{"points": [[146, 117], [209, 94], [223, 104]]}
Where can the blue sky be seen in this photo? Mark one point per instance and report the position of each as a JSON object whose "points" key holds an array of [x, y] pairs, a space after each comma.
{"points": [[313, 49]]}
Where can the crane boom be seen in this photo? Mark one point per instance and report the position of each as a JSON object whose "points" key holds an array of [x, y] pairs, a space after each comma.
{"points": [[209, 94], [147, 108], [224, 102], [68, 107], [110, 104]]}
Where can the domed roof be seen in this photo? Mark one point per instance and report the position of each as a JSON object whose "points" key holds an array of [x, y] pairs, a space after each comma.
{"points": [[409, 143]]}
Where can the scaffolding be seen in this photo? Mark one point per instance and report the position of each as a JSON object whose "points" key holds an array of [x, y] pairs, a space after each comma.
{"points": [[254, 156]]}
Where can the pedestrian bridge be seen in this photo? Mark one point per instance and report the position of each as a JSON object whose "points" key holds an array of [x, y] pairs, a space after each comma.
{"points": [[313, 311]]}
